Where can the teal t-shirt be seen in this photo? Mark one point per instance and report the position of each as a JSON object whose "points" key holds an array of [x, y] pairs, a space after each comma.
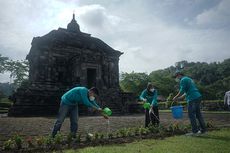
{"points": [[151, 97], [188, 87], [78, 95]]}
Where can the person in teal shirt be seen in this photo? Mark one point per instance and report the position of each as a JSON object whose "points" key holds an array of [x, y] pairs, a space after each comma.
{"points": [[149, 95], [69, 105], [189, 90]]}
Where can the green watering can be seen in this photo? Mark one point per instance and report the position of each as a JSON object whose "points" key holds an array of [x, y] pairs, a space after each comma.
{"points": [[107, 111], [146, 105]]}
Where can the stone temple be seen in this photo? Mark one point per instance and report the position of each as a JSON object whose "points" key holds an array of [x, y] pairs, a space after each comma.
{"points": [[63, 59]]}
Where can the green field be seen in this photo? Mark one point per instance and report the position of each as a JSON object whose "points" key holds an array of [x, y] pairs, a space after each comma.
{"points": [[212, 142]]}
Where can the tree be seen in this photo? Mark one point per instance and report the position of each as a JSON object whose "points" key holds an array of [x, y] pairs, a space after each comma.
{"points": [[164, 81], [133, 82], [3, 63], [212, 79], [18, 69]]}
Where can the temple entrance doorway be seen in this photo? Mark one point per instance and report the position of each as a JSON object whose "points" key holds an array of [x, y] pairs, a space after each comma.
{"points": [[91, 77]]}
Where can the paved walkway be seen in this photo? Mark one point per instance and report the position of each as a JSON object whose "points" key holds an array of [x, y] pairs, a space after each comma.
{"points": [[33, 126]]}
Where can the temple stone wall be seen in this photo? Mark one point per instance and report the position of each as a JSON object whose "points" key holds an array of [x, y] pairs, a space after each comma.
{"points": [[63, 59]]}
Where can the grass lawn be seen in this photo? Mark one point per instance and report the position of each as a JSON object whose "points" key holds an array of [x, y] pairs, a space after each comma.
{"points": [[212, 142], [209, 112]]}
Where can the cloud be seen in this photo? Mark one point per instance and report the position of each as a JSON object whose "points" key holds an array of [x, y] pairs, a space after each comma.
{"points": [[217, 17], [97, 20], [152, 34]]}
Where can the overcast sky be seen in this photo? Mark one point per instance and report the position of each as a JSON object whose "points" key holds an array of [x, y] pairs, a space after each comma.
{"points": [[153, 34]]}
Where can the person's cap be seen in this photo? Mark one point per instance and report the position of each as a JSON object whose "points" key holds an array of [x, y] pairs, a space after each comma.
{"points": [[95, 90]]}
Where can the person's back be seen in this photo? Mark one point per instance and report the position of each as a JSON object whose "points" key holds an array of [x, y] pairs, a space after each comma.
{"points": [[73, 96], [188, 86]]}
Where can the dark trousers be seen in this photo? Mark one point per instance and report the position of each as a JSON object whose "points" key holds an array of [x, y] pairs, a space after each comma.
{"points": [[153, 117], [195, 113], [64, 110]]}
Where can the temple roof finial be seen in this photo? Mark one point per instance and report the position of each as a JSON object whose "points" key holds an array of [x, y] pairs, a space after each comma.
{"points": [[73, 14], [73, 26]]}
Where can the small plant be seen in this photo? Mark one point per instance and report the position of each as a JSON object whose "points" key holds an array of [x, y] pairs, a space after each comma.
{"points": [[102, 136], [209, 124], [29, 141], [18, 141], [96, 136], [70, 137], [161, 129], [40, 141], [153, 129], [89, 137], [7, 145], [110, 135], [49, 141], [137, 131], [78, 138], [117, 134], [144, 131], [123, 132], [130, 132], [184, 128], [58, 138]]}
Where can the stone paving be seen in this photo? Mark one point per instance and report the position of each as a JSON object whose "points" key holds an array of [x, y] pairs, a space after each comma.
{"points": [[34, 126]]}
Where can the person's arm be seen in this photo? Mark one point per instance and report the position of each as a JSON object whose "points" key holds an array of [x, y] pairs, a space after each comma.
{"points": [[84, 94], [177, 95], [182, 97], [85, 99], [154, 101], [95, 104], [143, 95], [181, 91], [225, 99]]}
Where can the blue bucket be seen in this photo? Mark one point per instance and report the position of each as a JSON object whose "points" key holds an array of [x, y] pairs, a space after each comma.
{"points": [[177, 112]]}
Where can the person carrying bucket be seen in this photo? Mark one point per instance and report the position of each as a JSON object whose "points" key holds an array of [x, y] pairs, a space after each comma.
{"points": [[149, 96], [189, 90]]}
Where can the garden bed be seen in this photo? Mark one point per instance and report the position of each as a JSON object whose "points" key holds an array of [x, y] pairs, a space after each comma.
{"points": [[124, 135]]}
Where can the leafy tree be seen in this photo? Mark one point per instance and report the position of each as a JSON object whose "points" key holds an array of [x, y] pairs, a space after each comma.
{"points": [[18, 69], [133, 82], [3, 63], [163, 81], [213, 79]]}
